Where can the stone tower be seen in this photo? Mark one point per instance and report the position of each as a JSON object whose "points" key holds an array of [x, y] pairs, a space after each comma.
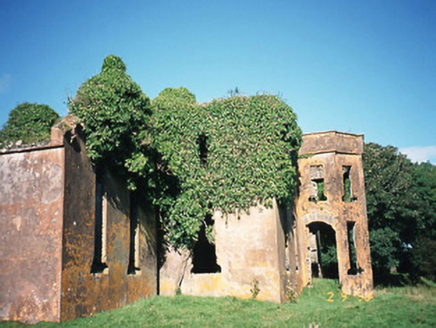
{"points": [[331, 213]]}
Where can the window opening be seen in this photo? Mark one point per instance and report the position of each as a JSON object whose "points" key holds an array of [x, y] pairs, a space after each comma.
{"points": [[100, 227], [348, 194], [202, 148], [317, 180], [133, 266], [351, 234], [204, 254], [322, 251]]}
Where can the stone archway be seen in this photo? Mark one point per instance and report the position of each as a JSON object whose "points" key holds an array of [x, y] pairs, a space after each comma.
{"points": [[323, 251]]}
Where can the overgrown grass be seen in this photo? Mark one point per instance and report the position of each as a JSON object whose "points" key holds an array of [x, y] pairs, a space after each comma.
{"points": [[322, 306]]}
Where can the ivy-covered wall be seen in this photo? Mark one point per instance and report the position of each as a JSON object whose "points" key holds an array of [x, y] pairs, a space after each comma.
{"points": [[191, 159], [227, 154]]}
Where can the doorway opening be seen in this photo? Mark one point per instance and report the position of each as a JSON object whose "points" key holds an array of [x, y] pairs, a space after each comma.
{"points": [[323, 252], [204, 254]]}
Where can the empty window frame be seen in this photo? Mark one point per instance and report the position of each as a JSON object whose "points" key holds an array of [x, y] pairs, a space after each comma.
{"points": [[202, 148], [352, 251], [100, 228], [317, 181], [347, 185], [133, 267]]}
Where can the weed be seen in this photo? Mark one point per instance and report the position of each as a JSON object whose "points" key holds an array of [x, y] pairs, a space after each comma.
{"points": [[291, 295], [255, 290]]}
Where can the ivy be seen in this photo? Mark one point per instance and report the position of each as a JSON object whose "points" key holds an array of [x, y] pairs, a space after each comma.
{"points": [[191, 159], [29, 123], [226, 155], [116, 115]]}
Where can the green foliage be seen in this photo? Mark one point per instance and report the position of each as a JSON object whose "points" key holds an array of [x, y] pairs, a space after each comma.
{"points": [[29, 123], [116, 115], [347, 190], [424, 246], [321, 194], [427, 282], [394, 307], [424, 182], [388, 183], [401, 203], [225, 155]]}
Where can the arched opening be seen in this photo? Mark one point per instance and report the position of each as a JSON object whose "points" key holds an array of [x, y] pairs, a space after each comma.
{"points": [[323, 252]]}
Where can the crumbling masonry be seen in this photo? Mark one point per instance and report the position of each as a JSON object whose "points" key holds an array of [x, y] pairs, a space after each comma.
{"points": [[332, 198], [73, 242], [278, 250]]}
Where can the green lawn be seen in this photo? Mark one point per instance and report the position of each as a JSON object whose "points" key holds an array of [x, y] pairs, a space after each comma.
{"points": [[321, 306]]}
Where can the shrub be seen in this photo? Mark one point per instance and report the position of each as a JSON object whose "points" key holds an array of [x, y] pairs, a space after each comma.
{"points": [[29, 123]]}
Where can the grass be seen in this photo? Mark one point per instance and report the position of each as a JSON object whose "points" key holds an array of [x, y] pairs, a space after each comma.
{"points": [[322, 306]]}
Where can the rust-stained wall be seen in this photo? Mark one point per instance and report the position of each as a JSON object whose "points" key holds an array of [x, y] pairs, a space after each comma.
{"points": [[249, 247], [333, 150], [47, 222], [84, 293], [47, 213], [31, 209]]}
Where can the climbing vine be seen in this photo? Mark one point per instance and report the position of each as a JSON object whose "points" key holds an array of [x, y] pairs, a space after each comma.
{"points": [[116, 114], [226, 155]]}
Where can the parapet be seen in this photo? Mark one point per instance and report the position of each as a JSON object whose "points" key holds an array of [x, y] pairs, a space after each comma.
{"points": [[332, 142]]}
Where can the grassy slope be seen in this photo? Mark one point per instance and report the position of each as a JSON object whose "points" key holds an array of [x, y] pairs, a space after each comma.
{"points": [[399, 307]]}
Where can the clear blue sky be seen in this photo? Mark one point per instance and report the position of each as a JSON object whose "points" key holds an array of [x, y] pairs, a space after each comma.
{"points": [[355, 66]]}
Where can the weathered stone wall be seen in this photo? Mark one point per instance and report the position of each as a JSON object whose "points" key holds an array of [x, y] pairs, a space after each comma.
{"points": [[31, 209], [331, 142], [332, 151], [47, 236], [250, 249], [84, 293]]}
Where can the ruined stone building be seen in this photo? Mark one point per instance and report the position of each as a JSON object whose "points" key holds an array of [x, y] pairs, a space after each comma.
{"points": [[74, 242], [331, 205], [276, 251]]}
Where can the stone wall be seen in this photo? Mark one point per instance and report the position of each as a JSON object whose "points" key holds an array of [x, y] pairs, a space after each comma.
{"points": [[48, 235], [250, 251], [31, 212], [85, 293]]}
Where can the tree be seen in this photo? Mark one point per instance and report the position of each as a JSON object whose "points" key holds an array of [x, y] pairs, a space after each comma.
{"points": [[116, 115], [30, 123], [424, 246], [389, 196], [401, 203]]}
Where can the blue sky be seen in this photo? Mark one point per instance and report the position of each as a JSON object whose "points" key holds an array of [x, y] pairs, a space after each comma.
{"points": [[354, 66]]}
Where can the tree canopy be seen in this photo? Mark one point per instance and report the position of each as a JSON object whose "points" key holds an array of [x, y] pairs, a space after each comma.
{"points": [[401, 207], [116, 115], [28, 122]]}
